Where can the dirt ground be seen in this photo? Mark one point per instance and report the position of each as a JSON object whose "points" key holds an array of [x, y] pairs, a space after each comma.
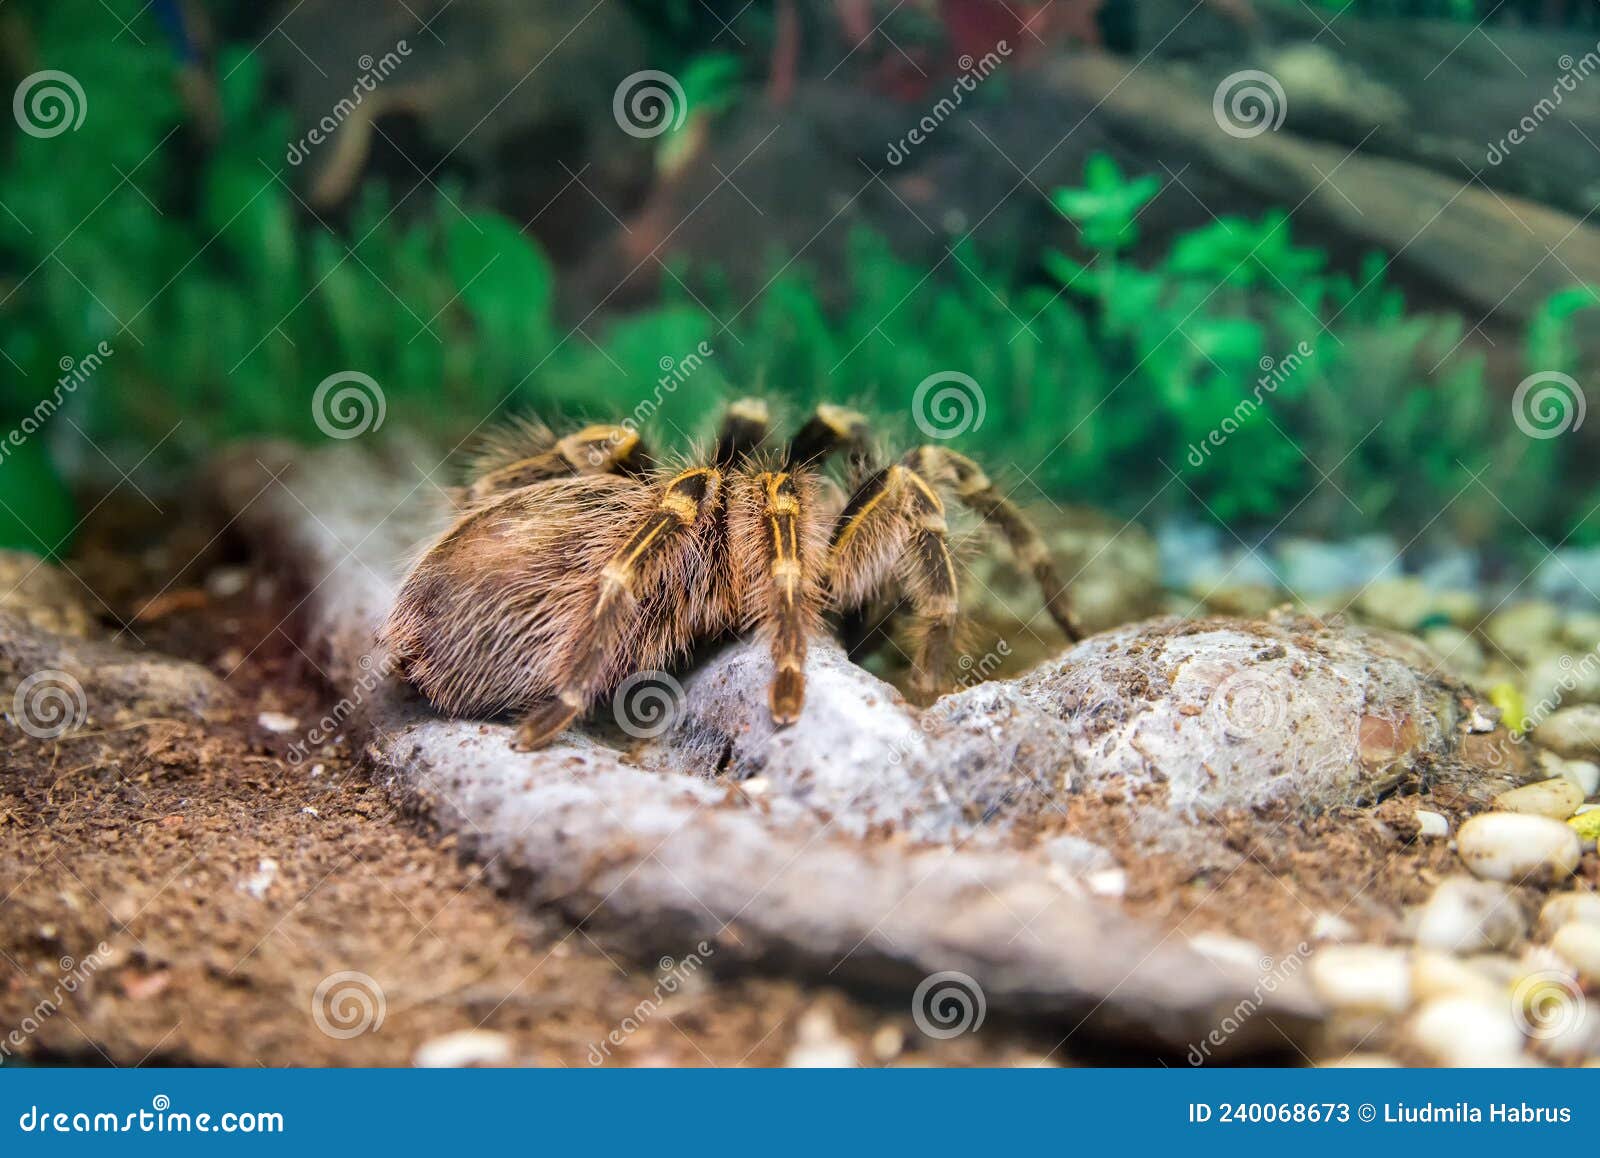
{"points": [[226, 883]]}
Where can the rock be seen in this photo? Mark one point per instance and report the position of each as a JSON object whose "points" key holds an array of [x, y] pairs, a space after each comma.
{"points": [[1459, 651], [1432, 824], [1470, 916], [1362, 977], [53, 684], [466, 1047], [1314, 567], [818, 1044], [1559, 679], [1570, 575], [1584, 774], [1467, 1031], [1523, 630], [1569, 908], [44, 596], [1578, 944], [1572, 732], [1557, 798], [1331, 927], [1517, 848], [1435, 974], [277, 722], [1402, 603]]}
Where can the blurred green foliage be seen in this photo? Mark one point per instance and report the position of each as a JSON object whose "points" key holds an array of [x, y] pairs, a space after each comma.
{"points": [[226, 300]]}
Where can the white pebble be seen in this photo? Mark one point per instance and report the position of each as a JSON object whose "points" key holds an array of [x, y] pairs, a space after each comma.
{"points": [[1367, 977], [1435, 974], [277, 722], [1557, 798], [1331, 927], [1521, 849], [1464, 1031], [1578, 944], [1584, 773], [258, 882], [1566, 908], [1108, 882], [1573, 731], [1470, 916], [1432, 824], [466, 1047]]}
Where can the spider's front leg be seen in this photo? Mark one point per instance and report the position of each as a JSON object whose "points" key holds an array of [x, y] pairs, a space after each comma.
{"points": [[777, 539], [685, 505]]}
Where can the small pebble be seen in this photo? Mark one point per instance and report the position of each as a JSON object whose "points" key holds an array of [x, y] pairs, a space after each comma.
{"points": [[1584, 773], [818, 1043], [888, 1042], [1578, 944], [1108, 882], [1470, 916], [1557, 798], [1524, 629], [1567, 908], [1331, 927], [277, 722], [1464, 1031], [1521, 849], [1368, 977], [467, 1047], [1432, 824], [1435, 974], [1573, 732], [226, 581]]}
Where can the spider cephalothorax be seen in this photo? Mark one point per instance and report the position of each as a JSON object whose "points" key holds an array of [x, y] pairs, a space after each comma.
{"points": [[575, 562]]}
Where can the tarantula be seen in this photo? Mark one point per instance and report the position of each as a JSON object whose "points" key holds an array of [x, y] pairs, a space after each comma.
{"points": [[575, 562]]}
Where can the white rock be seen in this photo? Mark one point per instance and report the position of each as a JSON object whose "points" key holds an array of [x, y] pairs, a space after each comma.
{"points": [[277, 722], [1557, 798], [1459, 653], [1572, 732], [1520, 849], [1567, 908], [258, 882], [1432, 824], [1331, 927], [1584, 773], [1435, 974], [1221, 947], [1464, 1031], [1366, 977], [466, 1047], [1524, 629], [818, 1044], [1470, 916], [1578, 944], [226, 581], [1108, 882]]}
